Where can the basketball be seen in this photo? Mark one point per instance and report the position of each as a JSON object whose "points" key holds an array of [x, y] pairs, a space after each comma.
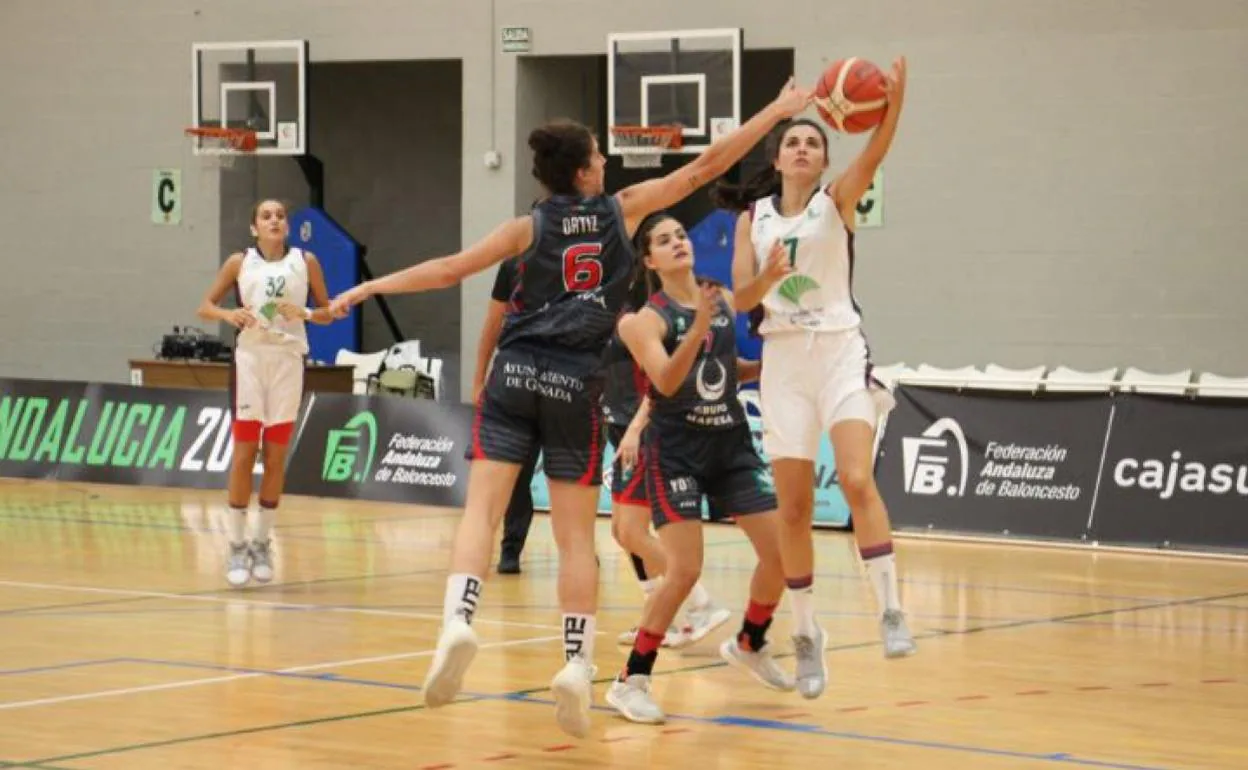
{"points": [[850, 95]]}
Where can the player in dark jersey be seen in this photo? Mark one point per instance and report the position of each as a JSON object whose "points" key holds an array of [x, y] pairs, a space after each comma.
{"points": [[519, 515], [625, 410], [575, 264], [698, 445]]}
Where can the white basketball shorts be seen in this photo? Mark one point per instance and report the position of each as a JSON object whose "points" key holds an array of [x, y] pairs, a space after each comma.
{"points": [[268, 384], [810, 382]]}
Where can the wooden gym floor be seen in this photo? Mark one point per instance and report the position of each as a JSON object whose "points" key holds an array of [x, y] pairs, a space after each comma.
{"points": [[123, 648]]}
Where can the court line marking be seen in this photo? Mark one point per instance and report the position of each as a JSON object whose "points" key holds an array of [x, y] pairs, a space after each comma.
{"points": [[523, 695], [260, 603], [711, 569], [729, 720], [185, 683], [269, 587], [59, 666]]}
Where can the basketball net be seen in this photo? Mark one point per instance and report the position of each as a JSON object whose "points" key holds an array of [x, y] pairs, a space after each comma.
{"points": [[223, 145], [643, 146]]}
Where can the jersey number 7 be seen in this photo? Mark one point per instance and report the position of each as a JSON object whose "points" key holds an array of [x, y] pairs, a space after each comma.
{"points": [[582, 270]]}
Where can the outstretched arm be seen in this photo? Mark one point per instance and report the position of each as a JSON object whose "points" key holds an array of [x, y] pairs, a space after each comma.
{"points": [[644, 198], [850, 186], [491, 330], [508, 239]]}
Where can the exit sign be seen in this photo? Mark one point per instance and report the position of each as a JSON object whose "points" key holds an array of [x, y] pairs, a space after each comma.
{"points": [[517, 39]]}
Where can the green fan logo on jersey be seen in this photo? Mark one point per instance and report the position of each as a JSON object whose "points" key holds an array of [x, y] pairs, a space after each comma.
{"points": [[795, 286], [269, 310]]}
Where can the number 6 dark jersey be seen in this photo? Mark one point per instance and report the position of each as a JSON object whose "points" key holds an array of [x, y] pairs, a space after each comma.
{"points": [[573, 281]]}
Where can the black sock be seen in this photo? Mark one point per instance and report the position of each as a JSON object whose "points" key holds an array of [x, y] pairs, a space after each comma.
{"points": [[645, 653], [639, 567], [754, 634]]}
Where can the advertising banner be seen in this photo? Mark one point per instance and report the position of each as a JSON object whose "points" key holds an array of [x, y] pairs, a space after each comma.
{"points": [[1176, 473], [114, 434], [406, 450], [992, 462]]}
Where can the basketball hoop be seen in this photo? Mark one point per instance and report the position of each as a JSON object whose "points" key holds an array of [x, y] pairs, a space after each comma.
{"points": [[643, 146], [223, 145]]}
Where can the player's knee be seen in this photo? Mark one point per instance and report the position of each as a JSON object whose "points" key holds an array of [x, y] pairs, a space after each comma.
{"points": [[857, 483], [682, 574], [629, 534], [797, 508]]}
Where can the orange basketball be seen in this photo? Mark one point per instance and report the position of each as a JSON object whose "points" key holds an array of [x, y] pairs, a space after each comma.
{"points": [[850, 95]]}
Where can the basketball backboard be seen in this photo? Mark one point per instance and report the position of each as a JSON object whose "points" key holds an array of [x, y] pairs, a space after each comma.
{"points": [[689, 77], [261, 85]]}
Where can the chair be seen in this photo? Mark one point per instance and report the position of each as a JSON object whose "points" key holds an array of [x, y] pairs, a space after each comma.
{"points": [[365, 367], [1140, 381], [1063, 379], [1209, 384], [1014, 379], [964, 377]]}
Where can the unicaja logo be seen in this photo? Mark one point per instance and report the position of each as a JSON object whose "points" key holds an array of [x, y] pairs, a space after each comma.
{"points": [[349, 450], [925, 459]]}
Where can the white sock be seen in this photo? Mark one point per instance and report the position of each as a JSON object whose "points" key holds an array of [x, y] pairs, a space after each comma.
{"points": [[236, 525], [699, 597], [883, 573], [261, 523], [578, 636], [463, 592], [803, 607], [648, 587]]}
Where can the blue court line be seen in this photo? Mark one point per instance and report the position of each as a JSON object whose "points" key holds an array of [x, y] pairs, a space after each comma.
{"points": [[60, 666], [719, 721], [1056, 757], [327, 676], [807, 729]]}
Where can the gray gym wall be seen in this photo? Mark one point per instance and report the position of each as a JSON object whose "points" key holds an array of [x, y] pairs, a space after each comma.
{"points": [[1067, 186]]}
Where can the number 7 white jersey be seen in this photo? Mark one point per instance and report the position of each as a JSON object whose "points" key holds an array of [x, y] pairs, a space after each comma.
{"points": [[817, 295], [261, 285]]}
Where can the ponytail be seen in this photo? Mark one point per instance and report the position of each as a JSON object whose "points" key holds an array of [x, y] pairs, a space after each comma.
{"points": [[738, 197]]}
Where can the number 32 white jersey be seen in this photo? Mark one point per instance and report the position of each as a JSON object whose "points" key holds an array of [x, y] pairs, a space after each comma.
{"points": [[817, 295], [261, 285]]}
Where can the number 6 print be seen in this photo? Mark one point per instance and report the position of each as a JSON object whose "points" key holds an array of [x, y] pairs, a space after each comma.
{"points": [[582, 270]]}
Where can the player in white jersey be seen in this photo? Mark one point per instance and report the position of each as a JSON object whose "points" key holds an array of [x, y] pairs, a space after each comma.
{"points": [[271, 284], [794, 256]]}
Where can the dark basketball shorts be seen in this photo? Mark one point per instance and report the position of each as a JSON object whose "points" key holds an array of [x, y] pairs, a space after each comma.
{"points": [[533, 401], [628, 486], [684, 464]]}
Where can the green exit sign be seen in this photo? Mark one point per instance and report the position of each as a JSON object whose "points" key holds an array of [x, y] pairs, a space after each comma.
{"points": [[517, 39]]}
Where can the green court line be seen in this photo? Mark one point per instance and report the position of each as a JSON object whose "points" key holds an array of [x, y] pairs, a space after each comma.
{"points": [[228, 734], [520, 694]]}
